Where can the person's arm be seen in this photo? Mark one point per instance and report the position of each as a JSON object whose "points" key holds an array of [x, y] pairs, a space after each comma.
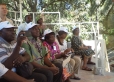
{"points": [[9, 62], [26, 56], [9, 75], [48, 62], [36, 65], [21, 59], [76, 45], [46, 56], [55, 70], [83, 48], [60, 55]]}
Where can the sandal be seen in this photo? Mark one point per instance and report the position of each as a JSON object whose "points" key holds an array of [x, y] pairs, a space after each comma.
{"points": [[87, 69], [76, 78], [92, 63]]}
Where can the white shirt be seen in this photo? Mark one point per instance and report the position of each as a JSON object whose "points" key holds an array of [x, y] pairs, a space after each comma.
{"points": [[62, 47], [3, 70], [21, 27]]}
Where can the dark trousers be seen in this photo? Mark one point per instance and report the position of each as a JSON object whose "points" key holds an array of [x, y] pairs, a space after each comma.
{"points": [[58, 77], [39, 75], [3, 80], [42, 75]]}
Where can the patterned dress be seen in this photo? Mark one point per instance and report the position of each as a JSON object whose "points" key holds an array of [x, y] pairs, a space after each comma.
{"points": [[54, 50], [76, 42]]}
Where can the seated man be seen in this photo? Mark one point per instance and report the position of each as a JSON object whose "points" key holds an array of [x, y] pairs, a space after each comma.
{"points": [[9, 75], [40, 55], [6, 30], [10, 52], [28, 19]]}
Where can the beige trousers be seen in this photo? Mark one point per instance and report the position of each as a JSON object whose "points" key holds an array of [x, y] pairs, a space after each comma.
{"points": [[75, 63]]}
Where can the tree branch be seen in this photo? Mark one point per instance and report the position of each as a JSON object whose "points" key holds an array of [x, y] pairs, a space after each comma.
{"points": [[12, 7]]}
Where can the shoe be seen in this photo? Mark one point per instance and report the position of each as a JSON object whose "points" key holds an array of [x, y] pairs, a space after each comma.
{"points": [[76, 78]]}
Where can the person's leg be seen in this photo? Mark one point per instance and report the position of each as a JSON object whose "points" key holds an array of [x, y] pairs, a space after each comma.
{"points": [[38, 77], [77, 62], [90, 62], [85, 60], [72, 63], [58, 77], [47, 73], [84, 67]]}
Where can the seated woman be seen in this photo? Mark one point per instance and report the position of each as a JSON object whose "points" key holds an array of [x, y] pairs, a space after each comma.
{"points": [[53, 47], [75, 60], [80, 49]]}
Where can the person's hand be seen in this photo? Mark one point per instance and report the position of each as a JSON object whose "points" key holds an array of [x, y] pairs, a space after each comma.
{"points": [[21, 38], [63, 54], [67, 50], [55, 70], [85, 48], [89, 46], [72, 50], [18, 61]]}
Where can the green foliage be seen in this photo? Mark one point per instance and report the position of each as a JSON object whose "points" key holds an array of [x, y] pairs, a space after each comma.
{"points": [[71, 11]]}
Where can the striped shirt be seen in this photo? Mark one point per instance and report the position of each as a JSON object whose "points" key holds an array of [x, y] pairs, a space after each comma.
{"points": [[6, 49]]}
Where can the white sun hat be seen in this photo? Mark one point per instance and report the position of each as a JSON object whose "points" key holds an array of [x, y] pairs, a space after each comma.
{"points": [[30, 25], [74, 27], [6, 24], [65, 29], [47, 31]]}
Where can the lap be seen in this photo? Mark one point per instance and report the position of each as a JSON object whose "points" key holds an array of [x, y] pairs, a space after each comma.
{"points": [[43, 71], [87, 52], [72, 62], [59, 65], [77, 59], [38, 77], [3, 80]]}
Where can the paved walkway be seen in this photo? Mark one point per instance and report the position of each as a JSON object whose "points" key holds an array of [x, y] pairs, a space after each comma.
{"points": [[88, 76]]}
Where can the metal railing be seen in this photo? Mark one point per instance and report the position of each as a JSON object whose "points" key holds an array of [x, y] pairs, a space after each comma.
{"points": [[100, 55]]}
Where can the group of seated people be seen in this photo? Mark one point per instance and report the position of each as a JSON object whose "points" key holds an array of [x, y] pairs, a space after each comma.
{"points": [[45, 55]]}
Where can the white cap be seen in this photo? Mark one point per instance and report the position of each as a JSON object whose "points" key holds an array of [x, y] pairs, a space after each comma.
{"points": [[6, 24], [47, 31], [30, 25], [74, 27], [65, 29]]}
